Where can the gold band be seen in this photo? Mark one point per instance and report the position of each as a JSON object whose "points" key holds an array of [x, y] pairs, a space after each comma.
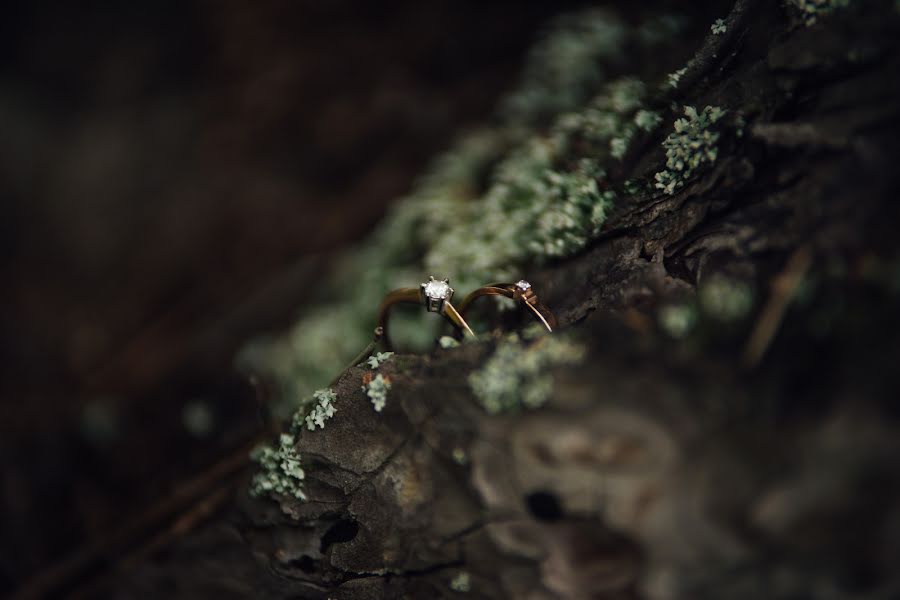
{"points": [[522, 293], [434, 296]]}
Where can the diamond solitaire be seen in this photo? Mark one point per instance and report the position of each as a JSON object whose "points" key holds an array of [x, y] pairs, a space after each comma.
{"points": [[437, 290], [435, 293], [523, 285]]}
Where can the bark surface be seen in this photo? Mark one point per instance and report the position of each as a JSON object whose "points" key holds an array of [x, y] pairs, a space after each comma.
{"points": [[755, 458]]}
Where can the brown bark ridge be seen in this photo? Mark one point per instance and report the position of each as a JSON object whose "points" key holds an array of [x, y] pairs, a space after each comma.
{"points": [[754, 459]]}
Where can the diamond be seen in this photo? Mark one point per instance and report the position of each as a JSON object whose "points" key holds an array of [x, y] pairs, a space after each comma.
{"points": [[437, 290], [523, 285]]}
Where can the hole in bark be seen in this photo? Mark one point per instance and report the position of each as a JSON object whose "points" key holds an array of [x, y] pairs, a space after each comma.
{"points": [[304, 563], [544, 506], [341, 532]]}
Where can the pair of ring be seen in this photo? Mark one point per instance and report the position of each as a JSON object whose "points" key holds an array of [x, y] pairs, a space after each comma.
{"points": [[435, 295]]}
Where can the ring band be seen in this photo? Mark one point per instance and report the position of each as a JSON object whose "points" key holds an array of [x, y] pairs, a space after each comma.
{"points": [[434, 295], [522, 293]]}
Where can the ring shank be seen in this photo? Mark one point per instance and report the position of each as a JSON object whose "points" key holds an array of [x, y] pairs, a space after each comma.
{"points": [[509, 290], [414, 296]]}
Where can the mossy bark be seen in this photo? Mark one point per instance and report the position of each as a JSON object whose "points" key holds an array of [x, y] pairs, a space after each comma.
{"points": [[753, 458]]}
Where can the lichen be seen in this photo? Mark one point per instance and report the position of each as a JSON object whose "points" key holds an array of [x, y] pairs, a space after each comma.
{"points": [[461, 582], [647, 119], [376, 388], [517, 375], [280, 471], [531, 188], [322, 410], [691, 145], [725, 298], [677, 320], [718, 27], [566, 65], [446, 341], [378, 359], [575, 210], [675, 77], [812, 10]]}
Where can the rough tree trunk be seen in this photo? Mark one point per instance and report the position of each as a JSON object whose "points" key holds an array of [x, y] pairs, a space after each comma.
{"points": [[753, 460]]}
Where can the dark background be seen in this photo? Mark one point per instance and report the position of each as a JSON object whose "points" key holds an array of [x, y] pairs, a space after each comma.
{"points": [[174, 177]]}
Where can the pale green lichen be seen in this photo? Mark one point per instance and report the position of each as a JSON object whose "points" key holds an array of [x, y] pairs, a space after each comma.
{"points": [[725, 298], [675, 77], [607, 117], [718, 27], [677, 320], [566, 65], [280, 471], [461, 582], [631, 187], [377, 391], [446, 341], [517, 375], [575, 211], [322, 410], [530, 189], [618, 147], [532, 212], [812, 10], [378, 359], [647, 119], [691, 145]]}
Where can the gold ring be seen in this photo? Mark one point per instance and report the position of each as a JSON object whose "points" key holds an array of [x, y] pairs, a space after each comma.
{"points": [[522, 293], [434, 295]]}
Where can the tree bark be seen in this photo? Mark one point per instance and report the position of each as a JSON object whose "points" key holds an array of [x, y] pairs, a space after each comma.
{"points": [[755, 459]]}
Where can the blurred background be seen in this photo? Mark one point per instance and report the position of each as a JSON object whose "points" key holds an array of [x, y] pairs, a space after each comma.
{"points": [[174, 178]]}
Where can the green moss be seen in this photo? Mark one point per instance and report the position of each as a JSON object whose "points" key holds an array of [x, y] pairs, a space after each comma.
{"points": [[280, 472], [691, 145], [518, 376], [718, 27]]}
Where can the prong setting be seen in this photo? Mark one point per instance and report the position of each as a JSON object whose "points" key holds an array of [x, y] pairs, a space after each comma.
{"points": [[435, 293]]}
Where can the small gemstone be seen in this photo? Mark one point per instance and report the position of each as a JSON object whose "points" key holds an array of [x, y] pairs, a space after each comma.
{"points": [[523, 285], [437, 290]]}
